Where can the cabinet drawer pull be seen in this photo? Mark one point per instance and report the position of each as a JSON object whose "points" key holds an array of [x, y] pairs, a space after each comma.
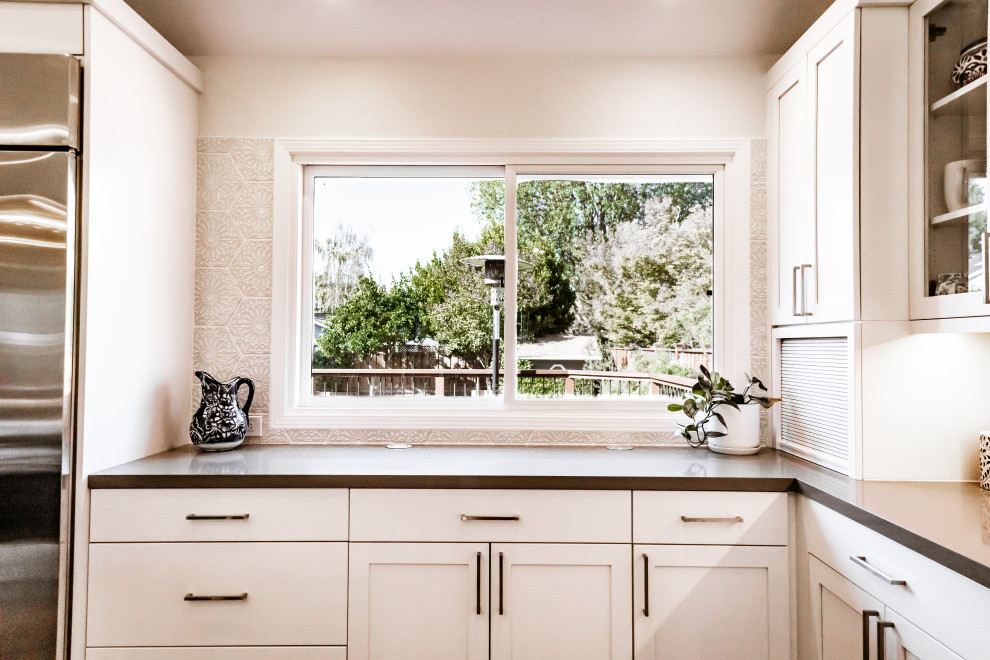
{"points": [[733, 519], [880, 574], [881, 642], [236, 516], [867, 615], [646, 585], [465, 517], [242, 596]]}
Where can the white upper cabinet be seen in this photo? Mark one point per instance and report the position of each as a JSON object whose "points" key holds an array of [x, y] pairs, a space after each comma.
{"points": [[838, 169], [949, 160], [34, 27]]}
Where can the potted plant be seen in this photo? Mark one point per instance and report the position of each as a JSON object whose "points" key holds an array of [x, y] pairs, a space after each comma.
{"points": [[713, 403]]}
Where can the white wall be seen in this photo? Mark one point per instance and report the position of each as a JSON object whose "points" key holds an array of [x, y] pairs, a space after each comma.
{"points": [[616, 98], [925, 403]]}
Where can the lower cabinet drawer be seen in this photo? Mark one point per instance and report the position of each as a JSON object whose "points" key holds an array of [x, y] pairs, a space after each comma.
{"points": [[500, 516], [266, 594], [221, 653], [710, 518]]}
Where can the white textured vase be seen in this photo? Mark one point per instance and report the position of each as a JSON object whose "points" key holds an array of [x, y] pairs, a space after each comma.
{"points": [[985, 459], [743, 434]]}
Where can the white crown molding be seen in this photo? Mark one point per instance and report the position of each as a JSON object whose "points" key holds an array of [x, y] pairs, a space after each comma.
{"points": [[120, 14]]}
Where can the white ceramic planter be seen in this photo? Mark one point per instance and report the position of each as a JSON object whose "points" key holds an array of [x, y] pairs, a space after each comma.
{"points": [[743, 434]]}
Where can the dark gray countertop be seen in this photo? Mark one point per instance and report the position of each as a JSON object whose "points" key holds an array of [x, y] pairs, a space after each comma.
{"points": [[947, 522]]}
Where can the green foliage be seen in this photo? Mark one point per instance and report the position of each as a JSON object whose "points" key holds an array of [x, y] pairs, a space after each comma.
{"points": [[649, 283], [373, 319], [710, 392]]}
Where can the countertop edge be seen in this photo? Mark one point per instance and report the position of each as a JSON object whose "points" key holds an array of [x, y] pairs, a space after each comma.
{"points": [[508, 482]]}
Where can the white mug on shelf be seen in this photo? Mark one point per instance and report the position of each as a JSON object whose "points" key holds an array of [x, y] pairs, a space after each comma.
{"points": [[956, 182]]}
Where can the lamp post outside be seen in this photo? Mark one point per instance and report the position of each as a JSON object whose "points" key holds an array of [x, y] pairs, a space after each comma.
{"points": [[493, 270]]}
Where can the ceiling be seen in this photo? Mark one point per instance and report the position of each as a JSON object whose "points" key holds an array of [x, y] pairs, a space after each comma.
{"points": [[368, 28]]}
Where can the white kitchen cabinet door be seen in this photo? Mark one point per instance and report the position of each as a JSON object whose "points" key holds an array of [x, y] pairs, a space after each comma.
{"points": [[833, 236], [844, 617], [418, 601], [701, 602], [903, 640], [789, 207], [561, 602]]}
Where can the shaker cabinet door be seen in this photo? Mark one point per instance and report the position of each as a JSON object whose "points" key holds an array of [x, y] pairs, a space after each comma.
{"points": [[561, 602], [418, 601], [830, 283], [905, 641], [844, 617], [693, 602], [788, 201]]}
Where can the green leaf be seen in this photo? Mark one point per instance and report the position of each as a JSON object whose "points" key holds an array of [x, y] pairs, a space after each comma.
{"points": [[719, 417], [674, 407], [704, 371], [698, 389], [715, 434]]}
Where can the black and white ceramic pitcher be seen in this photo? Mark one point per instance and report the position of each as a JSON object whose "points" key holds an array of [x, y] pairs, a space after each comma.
{"points": [[220, 423]]}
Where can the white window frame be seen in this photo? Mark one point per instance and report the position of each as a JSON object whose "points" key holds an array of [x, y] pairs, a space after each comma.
{"points": [[726, 161]]}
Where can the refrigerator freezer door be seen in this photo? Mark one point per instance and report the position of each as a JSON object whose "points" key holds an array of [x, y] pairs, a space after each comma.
{"points": [[37, 232], [39, 101]]}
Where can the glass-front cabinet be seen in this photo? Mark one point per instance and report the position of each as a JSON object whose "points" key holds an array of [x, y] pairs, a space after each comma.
{"points": [[949, 159]]}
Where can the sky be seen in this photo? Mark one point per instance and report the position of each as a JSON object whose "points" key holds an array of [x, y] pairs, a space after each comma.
{"points": [[405, 220]]}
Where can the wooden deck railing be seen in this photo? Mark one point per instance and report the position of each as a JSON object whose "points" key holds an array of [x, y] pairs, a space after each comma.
{"points": [[545, 383]]}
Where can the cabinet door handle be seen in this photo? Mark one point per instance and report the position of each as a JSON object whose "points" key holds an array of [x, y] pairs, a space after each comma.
{"points": [[804, 291], [733, 519], [646, 585], [477, 606], [242, 596], [794, 290], [236, 516], [466, 518], [500, 601], [881, 642], [867, 615], [861, 561]]}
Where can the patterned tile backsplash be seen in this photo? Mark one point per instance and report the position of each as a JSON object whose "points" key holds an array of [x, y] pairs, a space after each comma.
{"points": [[233, 299]]}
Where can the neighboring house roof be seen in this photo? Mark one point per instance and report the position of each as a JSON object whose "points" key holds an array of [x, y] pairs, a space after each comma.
{"points": [[559, 347]]}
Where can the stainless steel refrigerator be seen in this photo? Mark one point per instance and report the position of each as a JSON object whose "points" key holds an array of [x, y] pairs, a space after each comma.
{"points": [[39, 166]]}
